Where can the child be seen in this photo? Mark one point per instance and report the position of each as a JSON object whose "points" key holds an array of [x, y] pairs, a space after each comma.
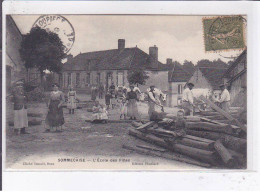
{"points": [[179, 124], [123, 107], [96, 111], [103, 114], [107, 99]]}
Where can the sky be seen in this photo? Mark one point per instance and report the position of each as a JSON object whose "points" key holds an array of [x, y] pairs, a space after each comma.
{"points": [[177, 37]]}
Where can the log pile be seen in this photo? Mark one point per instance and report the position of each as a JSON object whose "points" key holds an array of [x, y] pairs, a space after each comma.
{"points": [[202, 141]]}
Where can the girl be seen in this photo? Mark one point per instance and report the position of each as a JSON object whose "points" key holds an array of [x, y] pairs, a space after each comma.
{"points": [[71, 105]]}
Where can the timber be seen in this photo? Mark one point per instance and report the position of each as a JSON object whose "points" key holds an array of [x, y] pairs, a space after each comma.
{"points": [[196, 153], [146, 125], [212, 127], [170, 156], [222, 112], [193, 143], [234, 143], [224, 154]]}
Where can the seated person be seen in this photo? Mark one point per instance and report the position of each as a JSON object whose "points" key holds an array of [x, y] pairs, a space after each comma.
{"points": [[179, 123], [95, 111], [103, 114]]}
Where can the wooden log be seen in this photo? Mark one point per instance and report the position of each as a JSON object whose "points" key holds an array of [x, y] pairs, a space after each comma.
{"points": [[146, 125], [192, 119], [240, 159], [224, 154], [151, 148], [220, 123], [222, 112], [136, 124], [193, 143], [199, 139], [212, 127], [196, 153], [170, 156], [234, 143]]}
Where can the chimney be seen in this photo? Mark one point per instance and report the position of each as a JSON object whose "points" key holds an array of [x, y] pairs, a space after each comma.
{"points": [[153, 53], [168, 61], [121, 44]]}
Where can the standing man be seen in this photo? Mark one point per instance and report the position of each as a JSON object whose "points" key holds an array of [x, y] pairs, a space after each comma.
{"points": [[224, 98], [152, 101], [20, 108], [187, 99], [101, 91]]}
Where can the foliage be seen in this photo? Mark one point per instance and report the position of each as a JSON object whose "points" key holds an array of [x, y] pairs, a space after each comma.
{"points": [[216, 63], [43, 50], [36, 95], [137, 76], [189, 66]]}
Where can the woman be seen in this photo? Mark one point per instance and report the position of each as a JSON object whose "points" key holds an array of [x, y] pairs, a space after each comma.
{"points": [[132, 110], [55, 116], [71, 105], [20, 109]]}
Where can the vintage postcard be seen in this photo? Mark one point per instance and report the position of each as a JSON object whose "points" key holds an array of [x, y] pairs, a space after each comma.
{"points": [[125, 92]]}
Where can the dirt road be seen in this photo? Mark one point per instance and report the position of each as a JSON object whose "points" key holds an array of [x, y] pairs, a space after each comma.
{"points": [[81, 140]]}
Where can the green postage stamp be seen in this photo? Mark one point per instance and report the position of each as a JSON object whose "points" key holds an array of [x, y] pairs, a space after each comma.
{"points": [[223, 33]]}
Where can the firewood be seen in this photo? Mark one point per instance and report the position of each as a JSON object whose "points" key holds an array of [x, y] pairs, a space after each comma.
{"points": [[222, 112], [199, 139], [234, 143], [220, 123], [171, 156], [199, 154], [224, 154]]}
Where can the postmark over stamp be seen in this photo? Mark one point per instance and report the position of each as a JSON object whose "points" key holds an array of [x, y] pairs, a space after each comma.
{"points": [[223, 33], [59, 25]]}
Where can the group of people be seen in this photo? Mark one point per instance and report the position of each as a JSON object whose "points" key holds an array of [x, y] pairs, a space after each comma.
{"points": [[223, 101]]}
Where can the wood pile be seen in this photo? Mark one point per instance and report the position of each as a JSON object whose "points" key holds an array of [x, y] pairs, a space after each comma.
{"points": [[202, 141]]}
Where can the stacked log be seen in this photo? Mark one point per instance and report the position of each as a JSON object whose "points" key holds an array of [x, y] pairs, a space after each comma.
{"points": [[202, 141]]}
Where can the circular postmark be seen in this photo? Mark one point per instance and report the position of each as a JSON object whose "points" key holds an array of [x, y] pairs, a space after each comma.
{"points": [[226, 32], [59, 25]]}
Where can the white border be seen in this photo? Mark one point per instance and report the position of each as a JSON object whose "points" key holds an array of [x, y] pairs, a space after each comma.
{"points": [[149, 180]]}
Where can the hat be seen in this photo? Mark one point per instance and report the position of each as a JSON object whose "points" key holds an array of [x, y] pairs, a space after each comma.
{"points": [[152, 86], [19, 83], [190, 84]]}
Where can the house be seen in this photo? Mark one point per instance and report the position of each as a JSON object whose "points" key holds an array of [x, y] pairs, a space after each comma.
{"points": [[105, 67], [178, 77], [236, 78], [15, 68], [207, 80]]}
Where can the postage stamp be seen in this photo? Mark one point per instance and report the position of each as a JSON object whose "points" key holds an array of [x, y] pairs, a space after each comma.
{"points": [[223, 33]]}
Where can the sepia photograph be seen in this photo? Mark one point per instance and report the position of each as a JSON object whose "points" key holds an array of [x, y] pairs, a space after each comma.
{"points": [[125, 92]]}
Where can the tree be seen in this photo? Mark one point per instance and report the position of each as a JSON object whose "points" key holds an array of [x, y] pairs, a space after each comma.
{"points": [[189, 66], [137, 76], [42, 50]]}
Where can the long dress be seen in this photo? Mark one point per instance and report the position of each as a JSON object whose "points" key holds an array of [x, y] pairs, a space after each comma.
{"points": [[132, 110], [55, 116], [20, 111], [72, 100]]}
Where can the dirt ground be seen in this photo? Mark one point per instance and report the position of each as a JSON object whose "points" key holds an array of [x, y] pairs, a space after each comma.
{"points": [[81, 140]]}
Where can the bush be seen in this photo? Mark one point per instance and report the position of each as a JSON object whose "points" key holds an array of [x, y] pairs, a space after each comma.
{"points": [[36, 95]]}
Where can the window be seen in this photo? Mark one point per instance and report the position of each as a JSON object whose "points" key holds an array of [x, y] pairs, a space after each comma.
{"points": [[69, 79], [120, 78], [77, 80], [88, 78], [98, 78], [179, 88]]}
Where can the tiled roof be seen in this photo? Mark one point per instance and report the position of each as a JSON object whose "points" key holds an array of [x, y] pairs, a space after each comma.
{"points": [[214, 75], [179, 74], [113, 59], [236, 62]]}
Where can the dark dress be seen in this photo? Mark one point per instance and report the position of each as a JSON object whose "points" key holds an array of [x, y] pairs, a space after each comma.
{"points": [[132, 110], [55, 116]]}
